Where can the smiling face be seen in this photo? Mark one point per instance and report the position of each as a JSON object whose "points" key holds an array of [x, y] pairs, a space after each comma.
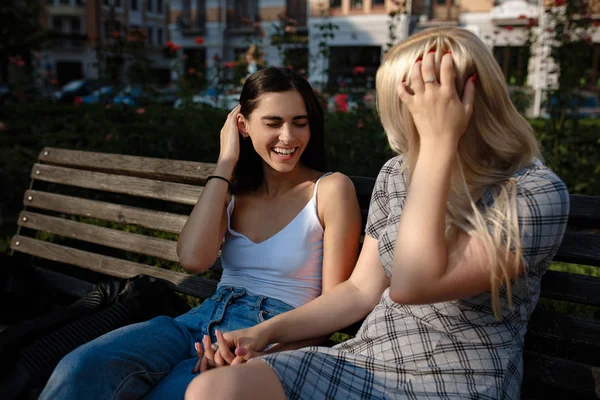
{"points": [[279, 129]]}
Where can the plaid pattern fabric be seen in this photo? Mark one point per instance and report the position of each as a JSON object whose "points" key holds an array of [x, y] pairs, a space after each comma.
{"points": [[449, 350]]}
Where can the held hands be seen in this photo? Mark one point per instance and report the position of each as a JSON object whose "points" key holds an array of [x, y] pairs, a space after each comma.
{"points": [[437, 111], [244, 341], [230, 140]]}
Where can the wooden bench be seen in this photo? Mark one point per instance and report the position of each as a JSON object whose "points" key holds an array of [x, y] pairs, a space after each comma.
{"points": [[81, 207]]}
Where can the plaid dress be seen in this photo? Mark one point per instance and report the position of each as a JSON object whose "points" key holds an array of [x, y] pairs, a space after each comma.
{"points": [[449, 350]]}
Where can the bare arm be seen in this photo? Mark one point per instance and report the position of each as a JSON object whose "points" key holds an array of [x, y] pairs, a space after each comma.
{"points": [[198, 245], [427, 267], [345, 304]]}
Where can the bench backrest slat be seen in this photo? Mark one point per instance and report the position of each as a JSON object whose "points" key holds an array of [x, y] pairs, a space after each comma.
{"points": [[182, 282], [584, 211], [575, 288], [176, 192], [127, 241], [160, 220], [154, 168], [580, 248]]}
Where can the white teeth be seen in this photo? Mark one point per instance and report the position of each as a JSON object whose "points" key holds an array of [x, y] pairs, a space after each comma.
{"points": [[285, 152]]}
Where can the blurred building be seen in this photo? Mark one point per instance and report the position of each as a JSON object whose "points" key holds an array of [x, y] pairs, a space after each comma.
{"points": [[80, 27]]}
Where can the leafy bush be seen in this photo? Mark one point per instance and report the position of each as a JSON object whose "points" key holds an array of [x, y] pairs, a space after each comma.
{"points": [[356, 143]]}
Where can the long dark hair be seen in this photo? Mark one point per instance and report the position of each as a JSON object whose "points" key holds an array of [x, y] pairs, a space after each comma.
{"points": [[248, 173]]}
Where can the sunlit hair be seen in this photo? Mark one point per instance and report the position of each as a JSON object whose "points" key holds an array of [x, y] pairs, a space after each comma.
{"points": [[497, 142]]}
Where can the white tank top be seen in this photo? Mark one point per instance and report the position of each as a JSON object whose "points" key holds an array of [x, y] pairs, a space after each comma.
{"points": [[287, 266]]}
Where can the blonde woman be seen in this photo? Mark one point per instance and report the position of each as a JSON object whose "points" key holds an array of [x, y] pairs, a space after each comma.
{"points": [[461, 228]]}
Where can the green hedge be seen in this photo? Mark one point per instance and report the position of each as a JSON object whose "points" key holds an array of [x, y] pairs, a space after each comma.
{"points": [[356, 143]]}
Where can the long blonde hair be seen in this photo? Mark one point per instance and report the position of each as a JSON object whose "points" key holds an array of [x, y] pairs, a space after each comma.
{"points": [[498, 142]]}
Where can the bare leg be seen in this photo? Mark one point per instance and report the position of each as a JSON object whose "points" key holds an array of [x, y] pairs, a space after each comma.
{"points": [[255, 380]]}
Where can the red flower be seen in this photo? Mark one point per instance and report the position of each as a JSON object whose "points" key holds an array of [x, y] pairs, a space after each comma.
{"points": [[596, 23], [359, 70], [567, 35], [78, 101], [116, 34], [559, 3], [140, 111], [549, 30], [531, 22], [522, 16], [199, 40], [20, 63], [170, 44], [191, 71], [508, 28], [290, 67], [229, 64]]}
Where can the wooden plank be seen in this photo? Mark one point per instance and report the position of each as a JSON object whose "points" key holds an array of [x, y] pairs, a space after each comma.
{"points": [[580, 248], [585, 211], [554, 377], [564, 335], [151, 246], [364, 188], [181, 282], [144, 167], [168, 191], [574, 288], [163, 221]]}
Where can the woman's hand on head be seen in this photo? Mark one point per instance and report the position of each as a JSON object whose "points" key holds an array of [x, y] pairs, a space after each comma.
{"points": [[230, 140], [436, 109]]}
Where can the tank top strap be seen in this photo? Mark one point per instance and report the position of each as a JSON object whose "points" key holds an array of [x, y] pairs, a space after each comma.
{"points": [[317, 183], [314, 198]]}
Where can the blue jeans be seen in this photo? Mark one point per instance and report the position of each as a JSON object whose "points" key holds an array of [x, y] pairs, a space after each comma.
{"points": [[154, 359]]}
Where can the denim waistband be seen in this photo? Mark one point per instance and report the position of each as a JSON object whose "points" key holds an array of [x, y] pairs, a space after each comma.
{"points": [[241, 296]]}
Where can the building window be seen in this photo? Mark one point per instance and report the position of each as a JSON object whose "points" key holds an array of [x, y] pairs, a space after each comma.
{"points": [[117, 3], [378, 3], [159, 36], [246, 13], [335, 3], [159, 6], [513, 61], [75, 25], [64, 1], [297, 11], [358, 4], [57, 23], [134, 5], [149, 5], [150, 36]]}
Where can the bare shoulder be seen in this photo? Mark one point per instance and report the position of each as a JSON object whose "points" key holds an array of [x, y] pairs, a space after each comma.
{"points": [[336, 185]]}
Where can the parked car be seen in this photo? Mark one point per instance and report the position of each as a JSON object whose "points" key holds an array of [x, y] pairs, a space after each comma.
{"points": [[103, 95], [73, 89], [210, 98], [586, 105]]}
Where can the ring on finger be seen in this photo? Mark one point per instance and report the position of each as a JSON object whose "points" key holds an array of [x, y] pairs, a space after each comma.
{"points": [[215, 346], [429, 80]]}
